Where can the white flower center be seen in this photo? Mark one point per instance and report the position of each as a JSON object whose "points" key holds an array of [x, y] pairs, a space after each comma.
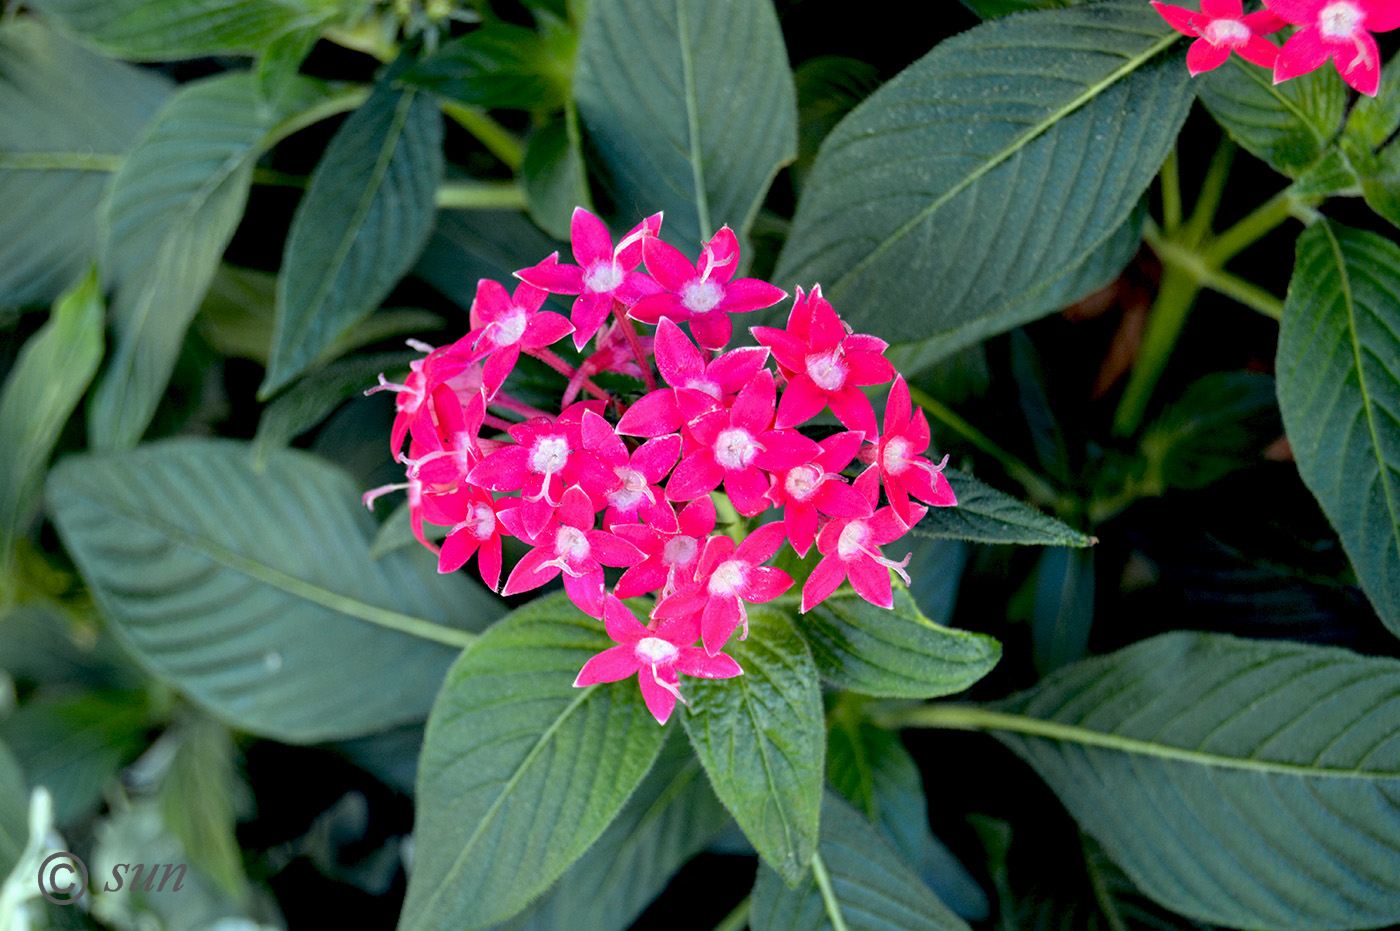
{"points": [[704, 385], [680, 551], [509, 329], [633, 490], [827, 370], [852, 539], [603, 276], [571, 543], [701, 296], [653, 651], [728, 577], [896, 456], [735, 449], [550, 454], [1227, 32], [802, 482], [483, 521], [1340, 20]]}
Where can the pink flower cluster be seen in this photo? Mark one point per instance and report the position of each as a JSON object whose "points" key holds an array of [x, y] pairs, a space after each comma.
{"points": [[633, 492], [1340, 30]]}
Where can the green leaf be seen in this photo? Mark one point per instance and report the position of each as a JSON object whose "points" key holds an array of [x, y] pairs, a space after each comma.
{"points": [[989, 169], [1290, 126], [1252, 784], [1221, 423], [1370, 145], [75, 744], [985, 515], [312, 399], [14, 811], [40, 392], [1338, 355], [197, 800], [397, 532], [500, 65], [367, 212], [556, 180], [672, 816], [856, 880], [166, 30], [897, 653], [828, 87], [869, 766], [991, 9], [237, 313], [521, 772], [470, 245], [761, 737], [1033, 392], [254, 594], [1062, 613], [67, 118], [171, 210], [699, 122]]}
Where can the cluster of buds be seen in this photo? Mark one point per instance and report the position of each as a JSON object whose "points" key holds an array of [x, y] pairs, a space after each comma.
{"points": [[1340, 30], [603, 483]]}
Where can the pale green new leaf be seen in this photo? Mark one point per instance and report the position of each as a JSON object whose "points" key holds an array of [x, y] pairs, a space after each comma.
{"points": [[198, 802], [691, 107], [870, 888], [895, 653], [254, 594], [1338, 355], [14, 811], [520, 771], [1252, 784], [989, 169], [1371, 148], [366, 214], [67, 118], [985, 515], [40, 392], [166, 30], [762, 739]]}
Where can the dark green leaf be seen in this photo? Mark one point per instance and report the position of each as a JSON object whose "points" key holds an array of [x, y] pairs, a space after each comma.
{"points": [[254, 592], [1338, 355], [691, 108], [1034, 395], [828, 87], [1222, 423], [521, 772], [761, 737], [500, 65], [41, 391], [991, 9], [985, 515], [990, 169], [470, 245], [1370, 145], [870, 767], [1253, 784], [14, 811], [556, 180], [897, 653], [935, 571], [1063, 612], [871, 889], [164, 30], [367, 212], [67, 118]]}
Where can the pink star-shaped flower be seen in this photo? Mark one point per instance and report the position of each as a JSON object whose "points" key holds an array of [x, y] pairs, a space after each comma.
{"points": [[850, 548], [603, 274], [702, 294], [478, 531], [896, 457], [1221, 28], [655, 657], [672, 546], [816, 485], [636, 492], [1337, 29], [504, 324], [411, 401]]}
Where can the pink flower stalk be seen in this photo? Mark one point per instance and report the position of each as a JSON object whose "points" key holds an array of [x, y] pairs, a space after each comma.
{"points": [[603, 274], [1337, 29], [827, 365], [850, 548], [672, 546], [1221, 28], [505, 324], [896, 456], [655, 657], [735, 446], [635, 493], [568, 544], [728, 577], [702, 294], [696, 387], [477, 532], [816, 485]]}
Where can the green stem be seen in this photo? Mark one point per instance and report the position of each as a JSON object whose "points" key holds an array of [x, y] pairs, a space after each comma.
{"points": [[498, 140], [1216, 279], [728, 518], [480, 195], [340, 103], [1164, 323], [738, 919], [1264, 220], [1015, 467], [270, 177], [1171, 193], [1212, 190], [833, 907]]}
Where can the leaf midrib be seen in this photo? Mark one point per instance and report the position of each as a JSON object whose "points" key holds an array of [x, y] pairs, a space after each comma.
{"points": [[692, 121]]}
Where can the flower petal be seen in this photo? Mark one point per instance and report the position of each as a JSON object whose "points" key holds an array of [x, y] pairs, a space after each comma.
{"points": [[622, 624], [1178, 17], [713, 330], [654, 414], [749, 294], [764, 584], [748, 490], [590, 238], [668, 265], [612, 665], [871, 581], [553, 277], [760, 545], [676, 356], [802, 400], [1203, 56], [1222, 9], [697, 474], [657, 456], [1304, 52], [456, 550], [722, 615], [586, 591], [698, 663], [1381, 15], [825, 579], [660, 700], [1361, 68], [852, 408]]}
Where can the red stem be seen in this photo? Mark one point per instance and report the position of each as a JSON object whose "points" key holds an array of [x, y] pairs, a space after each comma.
{"points": [[551, 359], [635, 344]]}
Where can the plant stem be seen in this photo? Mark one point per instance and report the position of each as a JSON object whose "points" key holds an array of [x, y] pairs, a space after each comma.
{"points": [[1015, 467], [1262, 221], [480, 195], [340, 103], [1218, 280], [833, 907], [737, 919], [498, 140], [1212, 190], [270, 177], [1171, 193], [1164, 322], [634, 343], [550, 358]]}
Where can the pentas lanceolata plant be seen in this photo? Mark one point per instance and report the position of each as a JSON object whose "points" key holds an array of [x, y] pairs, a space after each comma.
{"points": [[1340, 30], [626, 482]]}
